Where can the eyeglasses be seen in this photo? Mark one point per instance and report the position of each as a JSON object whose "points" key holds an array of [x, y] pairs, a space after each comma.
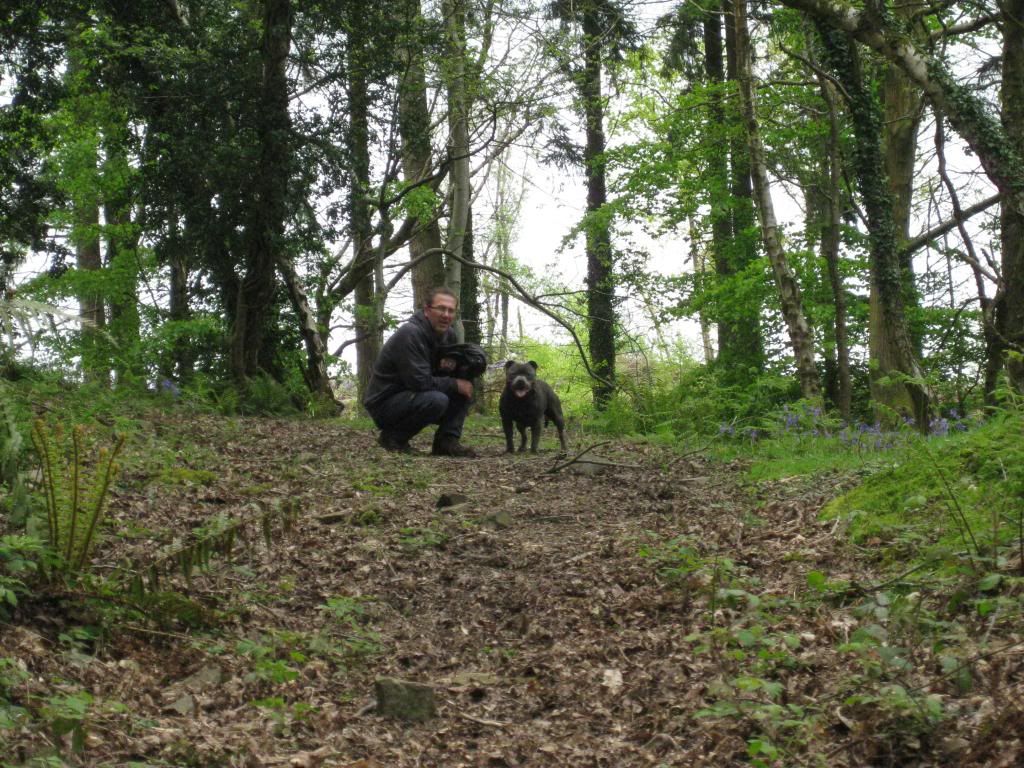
{"points": [[442, 310]]}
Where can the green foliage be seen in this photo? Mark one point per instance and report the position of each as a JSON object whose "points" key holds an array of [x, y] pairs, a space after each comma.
{"points": [[68, 714], [682, 399], [264, 396], [286, 717], [278, 656], [345, 633], [77, 491], [962, 494], [186, 476], [20, 558], [217, 538], [420, 203], [15, 502]]}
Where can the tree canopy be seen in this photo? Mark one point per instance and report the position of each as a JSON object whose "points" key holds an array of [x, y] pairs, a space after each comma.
{"points": [[234, 190]]}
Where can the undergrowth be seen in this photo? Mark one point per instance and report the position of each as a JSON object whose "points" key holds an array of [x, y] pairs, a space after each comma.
{"points": [[962, 495], [939, 518]]}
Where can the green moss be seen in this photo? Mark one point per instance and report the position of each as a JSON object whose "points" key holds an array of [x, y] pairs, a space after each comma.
{"points": [[256, 490]]}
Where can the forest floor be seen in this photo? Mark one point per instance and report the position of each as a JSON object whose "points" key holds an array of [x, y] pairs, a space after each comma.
{"points": [[661, 610]]}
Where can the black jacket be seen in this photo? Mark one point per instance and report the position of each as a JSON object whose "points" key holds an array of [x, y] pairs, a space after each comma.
{"points": [[406, 363]]}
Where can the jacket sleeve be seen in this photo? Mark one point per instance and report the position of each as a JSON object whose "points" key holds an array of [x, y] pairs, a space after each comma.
{"points": [[415, 368]]}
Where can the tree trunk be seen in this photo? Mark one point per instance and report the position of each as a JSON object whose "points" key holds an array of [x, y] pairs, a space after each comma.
{"points": [[896, 378], [369, 338], [506, 215], [800, 336], [830, 240], [181, 364], [316, 377], [91, 308], [124, 304], [731, 358], [469, 300], [1010, 308], [700, 268], [85, 234], [458, 146], [742, 250], [902, 102], [265, 227], [122, 259], [600, 275], [417, 158]]}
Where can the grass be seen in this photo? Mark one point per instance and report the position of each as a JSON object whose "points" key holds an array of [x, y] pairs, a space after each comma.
{"points": [[962, 493]]}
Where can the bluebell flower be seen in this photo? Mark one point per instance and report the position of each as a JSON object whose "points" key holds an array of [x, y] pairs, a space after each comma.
{"points": [[169, 387]]}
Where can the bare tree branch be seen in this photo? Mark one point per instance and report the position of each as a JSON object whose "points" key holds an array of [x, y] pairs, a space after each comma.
{"points": [[919, 242]]}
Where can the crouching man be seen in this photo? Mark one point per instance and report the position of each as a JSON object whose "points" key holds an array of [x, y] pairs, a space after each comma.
{"points": [[407, 391]]}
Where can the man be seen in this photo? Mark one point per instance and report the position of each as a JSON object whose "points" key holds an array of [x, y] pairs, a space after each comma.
{"points": [[407, 392]]}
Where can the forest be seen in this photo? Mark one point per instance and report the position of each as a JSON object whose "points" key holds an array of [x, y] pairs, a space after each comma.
{"points": [[776, 276]]}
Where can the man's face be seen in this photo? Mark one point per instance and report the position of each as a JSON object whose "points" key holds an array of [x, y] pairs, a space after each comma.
{"points": [[441, 313]]}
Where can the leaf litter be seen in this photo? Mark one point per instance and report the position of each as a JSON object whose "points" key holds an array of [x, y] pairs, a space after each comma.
{"points": [[614, 618]]}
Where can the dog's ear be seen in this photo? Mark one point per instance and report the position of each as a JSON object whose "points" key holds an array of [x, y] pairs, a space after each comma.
{"points": [[509, 364], [533, 364]]}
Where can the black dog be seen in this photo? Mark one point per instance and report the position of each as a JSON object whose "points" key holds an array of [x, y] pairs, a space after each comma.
{"points": [[528, 402]]}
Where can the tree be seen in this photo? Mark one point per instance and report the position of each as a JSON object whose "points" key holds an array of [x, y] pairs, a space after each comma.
{"points": [[1010, 304], [830, 241], [800, 335], [603, 33], [267, 205], [703, 49], [897, 378], [417, 153], [996, 148], [369, 338], [458, 89]]}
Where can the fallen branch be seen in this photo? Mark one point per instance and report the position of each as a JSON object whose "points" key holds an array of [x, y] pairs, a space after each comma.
{"points": [[600, 462], [576, 458], [682, 456], [481, 721]]}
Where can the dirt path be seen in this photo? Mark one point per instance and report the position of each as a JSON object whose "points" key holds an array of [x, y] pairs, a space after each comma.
{"points": [[555, 623]]}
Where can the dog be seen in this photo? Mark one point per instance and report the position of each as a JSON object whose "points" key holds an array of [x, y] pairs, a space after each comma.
{"points": [[528, 402]]}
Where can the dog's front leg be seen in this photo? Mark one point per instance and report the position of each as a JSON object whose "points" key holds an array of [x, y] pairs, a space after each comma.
{"points": [[506, 424], [535, 429]]}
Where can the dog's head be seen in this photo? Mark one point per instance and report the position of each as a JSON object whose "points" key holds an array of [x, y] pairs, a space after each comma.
{"points": [[519, 377]]}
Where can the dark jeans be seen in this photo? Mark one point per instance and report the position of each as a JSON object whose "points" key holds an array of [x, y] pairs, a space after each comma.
{"points": [[403, 415]]}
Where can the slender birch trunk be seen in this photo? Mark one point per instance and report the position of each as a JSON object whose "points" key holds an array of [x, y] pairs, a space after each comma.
{"points": [[800, 335]]}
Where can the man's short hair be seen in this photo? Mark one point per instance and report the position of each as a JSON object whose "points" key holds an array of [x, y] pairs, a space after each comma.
{"points": [[441, 290]]}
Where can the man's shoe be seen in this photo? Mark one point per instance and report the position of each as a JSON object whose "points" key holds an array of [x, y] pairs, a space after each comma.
{"points": [[450, 446], [391, 443]]}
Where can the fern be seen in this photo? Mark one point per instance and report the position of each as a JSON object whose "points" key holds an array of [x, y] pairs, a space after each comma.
{"points": [[219, 538], [77, 494]]}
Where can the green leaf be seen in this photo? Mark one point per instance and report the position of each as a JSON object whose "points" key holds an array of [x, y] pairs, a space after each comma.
{"points": [[816, 580], [989, 582], [746, 638], [985, 607]]}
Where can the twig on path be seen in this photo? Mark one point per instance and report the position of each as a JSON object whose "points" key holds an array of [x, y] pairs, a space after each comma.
{"points": [[157, 632], [481, 721], [577, 558], [576, 458], [695, 451], [601, 462]]}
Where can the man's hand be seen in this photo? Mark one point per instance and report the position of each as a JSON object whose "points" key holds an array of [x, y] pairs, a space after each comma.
{"points": [[465, 388]]}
